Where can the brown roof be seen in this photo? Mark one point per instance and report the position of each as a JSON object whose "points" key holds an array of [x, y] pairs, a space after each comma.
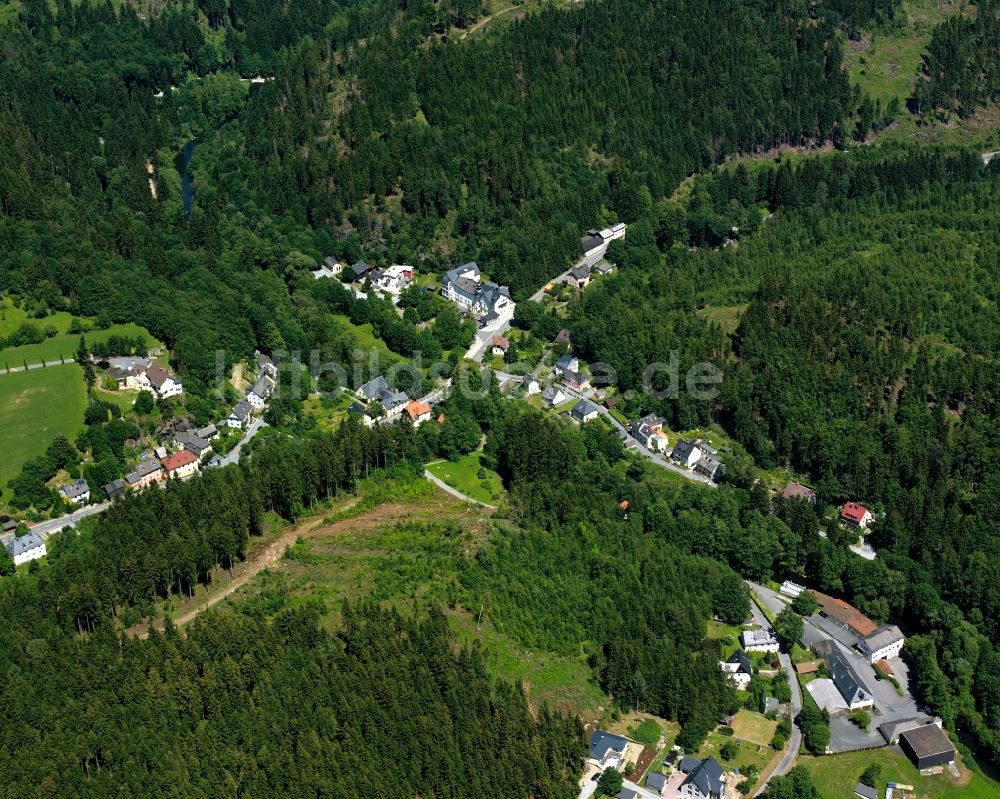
{"points": [[157, 374], [884, 667], [809, 667], [501, 341], [179, 459], [846, 614]]}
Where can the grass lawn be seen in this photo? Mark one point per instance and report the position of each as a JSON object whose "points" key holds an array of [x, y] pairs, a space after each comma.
{"points": [[462, 475], [749, 754], [35, 407], [64, 345], [836, 775], [12, 317], [753, 727]]}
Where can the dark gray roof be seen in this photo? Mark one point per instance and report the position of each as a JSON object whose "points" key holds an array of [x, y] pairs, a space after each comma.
{"points": [[927, 741], [884, 635], [242, 409], [114, 488], [850, 685], [566, 362], [580, 272], [583, 408], [655, 781], [18, 546], [708, 776], [144, 469], [601, 742], [865, 791], [739, 656], [191, 441], [360, 268], [372, 388], [393, 399], [626, 793], [689, 764], [75, 489], [263, 387], [682, 449], [588, 243]]}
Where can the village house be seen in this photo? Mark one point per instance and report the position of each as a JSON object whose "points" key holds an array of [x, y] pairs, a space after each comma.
{"points": [[790, 589], [686, 453], [759, 641], [739, 669], [161, 382], [181, 465], [331, 268], [77, 492], [553, 396], [606, 749], [208, 433], [419, 412], [26, 548], [530, 385], [372, 389], [145, 474], [602, 268], [656, 782], [360, 270], [257, 396], [114, 489], [500, 345], [851, 687], [465, 287], [265, 365], [566, 363], [240, 416], [709, 464], [394, 402], [885, 642], [391, 280], [705, 779], [191, 442], [648, 431], [585, 411], [576, 380], [579, 276], [857, 516], [796, 491]]}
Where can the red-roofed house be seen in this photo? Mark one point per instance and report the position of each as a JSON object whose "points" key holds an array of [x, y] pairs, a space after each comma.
{"points": [[500, 345], [856, 515], [181, 465], [419, 412]]}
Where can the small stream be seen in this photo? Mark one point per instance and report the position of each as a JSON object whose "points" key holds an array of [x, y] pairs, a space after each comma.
{"points": [[181, 161]]}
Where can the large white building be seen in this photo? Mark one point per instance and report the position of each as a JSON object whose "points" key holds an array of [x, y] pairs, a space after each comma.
{"points": [[465, 287], [885, 642], [26, 548]]}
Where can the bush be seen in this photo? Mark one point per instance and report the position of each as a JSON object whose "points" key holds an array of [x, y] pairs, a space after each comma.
{"points": [[871, 775], [648, 733], [729, 750], [610, 783], [778, 741]]}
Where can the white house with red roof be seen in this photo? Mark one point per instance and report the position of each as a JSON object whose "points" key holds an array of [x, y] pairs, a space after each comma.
{"points": [[154, 378], [856, 515], [180, 465]]}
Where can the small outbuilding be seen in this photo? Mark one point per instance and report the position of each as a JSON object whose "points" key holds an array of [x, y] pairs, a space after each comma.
{"points": [[927, 746]]}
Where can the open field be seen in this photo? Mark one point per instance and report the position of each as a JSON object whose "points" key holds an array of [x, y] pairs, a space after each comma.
{"points": [[728, 317], [35, 407], [462, 475], [64, 346], [753, 727], [836, 775]]}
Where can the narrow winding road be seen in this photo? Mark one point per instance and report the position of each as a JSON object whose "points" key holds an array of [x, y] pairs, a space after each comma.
{"points": [[454, 492]]}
